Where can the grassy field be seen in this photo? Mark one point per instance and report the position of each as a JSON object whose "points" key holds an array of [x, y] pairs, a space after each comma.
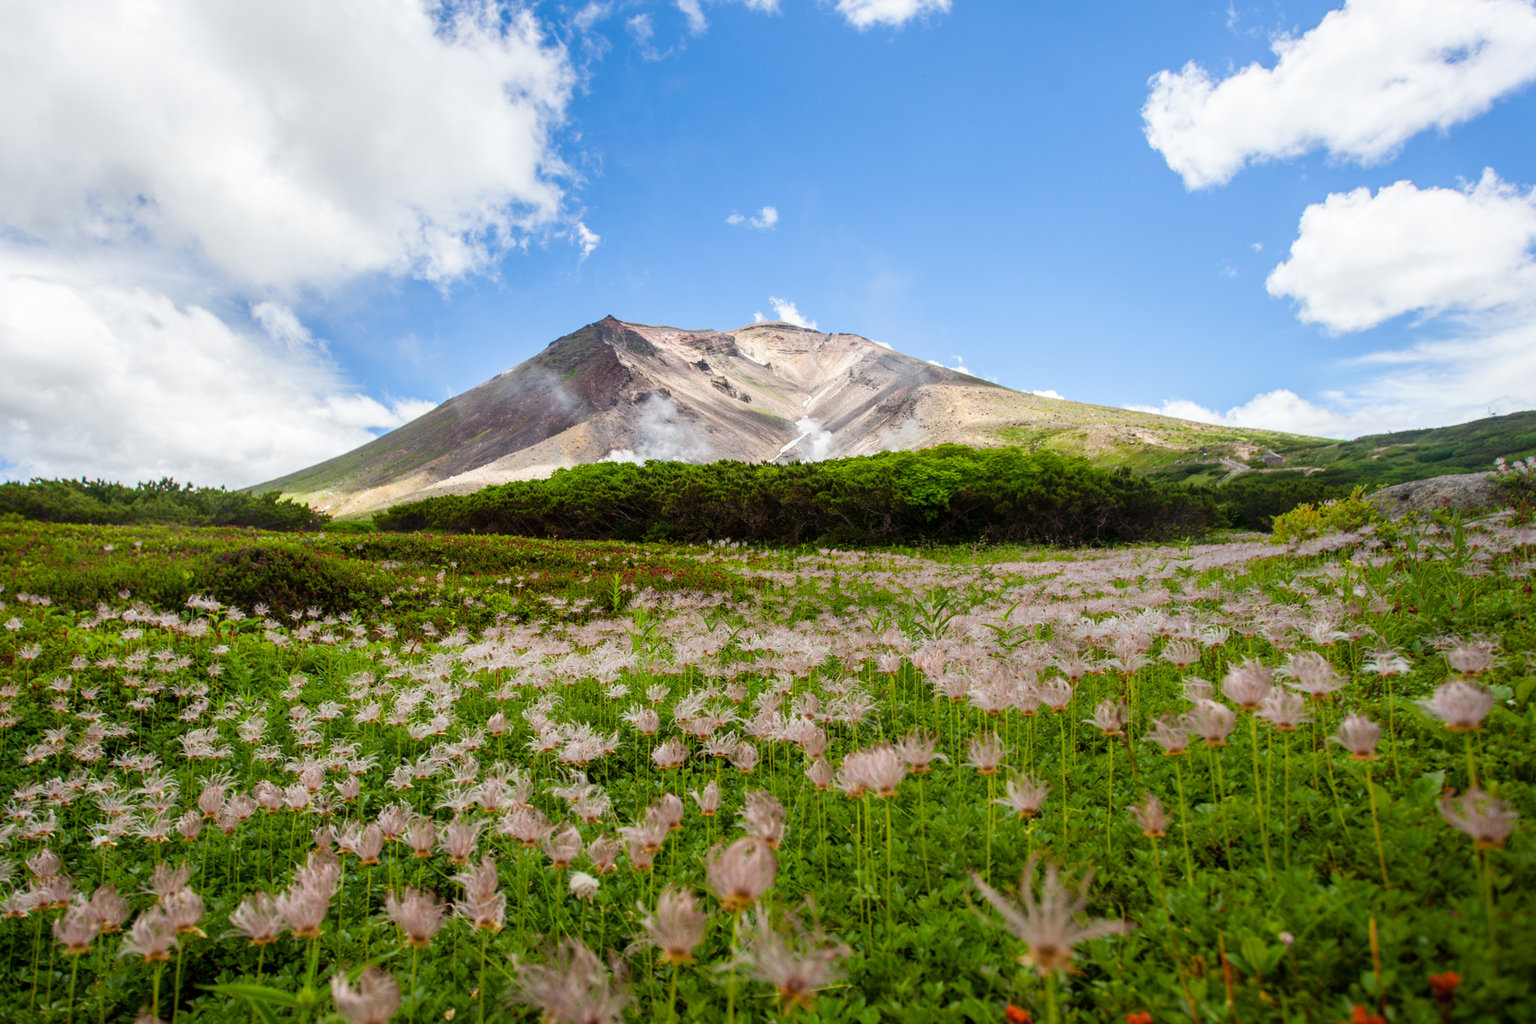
{"points": [[769, 784]]}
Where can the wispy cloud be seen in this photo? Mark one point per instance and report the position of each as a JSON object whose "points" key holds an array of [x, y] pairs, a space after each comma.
{"points": [[763, 220], [589, 239]]}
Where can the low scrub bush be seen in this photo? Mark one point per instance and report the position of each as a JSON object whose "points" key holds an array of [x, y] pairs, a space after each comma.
{"points": [[1336, 515], [102, 503], [946, 494]]}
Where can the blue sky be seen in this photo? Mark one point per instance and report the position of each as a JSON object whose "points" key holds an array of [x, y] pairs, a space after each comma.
{"points": [[232, 245]]}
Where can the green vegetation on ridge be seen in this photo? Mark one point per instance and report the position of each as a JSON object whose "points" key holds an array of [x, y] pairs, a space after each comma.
{"points": [[161, 501], [943, 494]]}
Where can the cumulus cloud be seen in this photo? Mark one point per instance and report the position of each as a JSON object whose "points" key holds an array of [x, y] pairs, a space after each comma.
{"points": [[1282, 410], [766, 218], [1051, 393], [1460, 258], [864, 14], [785, 310], [162, 162], [283, 142], [1360, 259], [1369, 77], [106, 380]]}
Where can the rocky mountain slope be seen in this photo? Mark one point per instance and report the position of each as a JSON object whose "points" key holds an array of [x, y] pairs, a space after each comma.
{"points": [[767, 391]]}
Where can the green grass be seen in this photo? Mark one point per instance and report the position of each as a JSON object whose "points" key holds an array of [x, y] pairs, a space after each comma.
{"points": [[1265, 900]]}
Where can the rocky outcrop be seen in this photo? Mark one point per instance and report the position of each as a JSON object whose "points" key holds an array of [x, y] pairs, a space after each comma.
{"points": [[1463, 492]]}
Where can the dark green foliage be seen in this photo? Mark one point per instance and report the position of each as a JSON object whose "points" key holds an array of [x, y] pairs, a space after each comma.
{"points": [[287, 577], [365, 574], [102, 503], [1251, 501], [945, 494]]}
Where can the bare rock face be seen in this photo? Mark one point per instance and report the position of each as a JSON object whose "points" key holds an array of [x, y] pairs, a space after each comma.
{"points": [[630, 392], [1464, 492]]}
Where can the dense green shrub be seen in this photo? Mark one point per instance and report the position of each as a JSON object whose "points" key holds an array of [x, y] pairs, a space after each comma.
{"points": [[287, 577], [949, 493], [102, 503], [1332, 516], [1253, 500]]}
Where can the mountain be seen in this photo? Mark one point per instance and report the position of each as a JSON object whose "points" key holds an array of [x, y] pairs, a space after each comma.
{"points": [[762, 392]]}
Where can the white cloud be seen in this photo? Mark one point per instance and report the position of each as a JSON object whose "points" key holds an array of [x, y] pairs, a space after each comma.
{"points": [[1369, 77], [785, 310], [284, 142], [1049, 393], [693, 11], [1276, 410], [863, 14], [591, 14], [282, 325], [1433, 385], [161, 162], [765, 219], [1463, 255], [106, 380], [695, 15], [589, 239], [1360, 259]]}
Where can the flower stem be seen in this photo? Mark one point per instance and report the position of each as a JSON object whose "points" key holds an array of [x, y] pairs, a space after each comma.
{"points": [[1109, 807], [181, 948], [1189, 860], [1381, 853], [1258, 791], [69, 1007], [672, 994], [155, 999], [484, 936], [889, 926]]}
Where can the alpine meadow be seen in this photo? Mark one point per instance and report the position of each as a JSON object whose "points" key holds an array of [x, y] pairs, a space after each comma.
{"points": [[767, 512], [423, 777]]}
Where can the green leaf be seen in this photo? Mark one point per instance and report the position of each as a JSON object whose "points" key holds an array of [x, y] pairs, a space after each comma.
{"points": [[1523, 689], [255, 993]]}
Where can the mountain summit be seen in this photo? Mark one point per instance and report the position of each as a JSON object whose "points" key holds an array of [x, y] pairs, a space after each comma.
{"points": [[766, 391]]}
